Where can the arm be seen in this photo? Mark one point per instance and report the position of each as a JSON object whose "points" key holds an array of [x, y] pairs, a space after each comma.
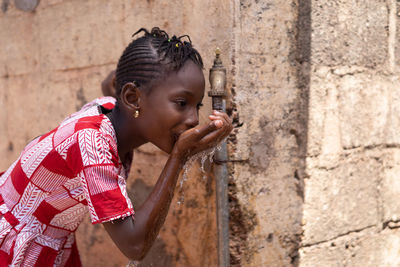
{"points": [[134, 237]]}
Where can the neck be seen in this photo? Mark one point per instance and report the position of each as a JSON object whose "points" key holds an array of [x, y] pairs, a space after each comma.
{"points": [[128, 136]]}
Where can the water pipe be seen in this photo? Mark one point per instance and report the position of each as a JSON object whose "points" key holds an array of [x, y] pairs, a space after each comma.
{"points": [[217, 93]]}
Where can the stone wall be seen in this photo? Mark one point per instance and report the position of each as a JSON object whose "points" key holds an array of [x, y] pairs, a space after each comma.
{"points": [[314, 157], [351, 210], [53, 60], [267, 165]]}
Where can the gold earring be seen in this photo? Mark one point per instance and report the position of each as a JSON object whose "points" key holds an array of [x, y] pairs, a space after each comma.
{"points": [[136, 114]]}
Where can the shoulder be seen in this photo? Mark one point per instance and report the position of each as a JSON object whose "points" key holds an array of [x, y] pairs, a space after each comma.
{"points": [[96, 146], [107, 102]]}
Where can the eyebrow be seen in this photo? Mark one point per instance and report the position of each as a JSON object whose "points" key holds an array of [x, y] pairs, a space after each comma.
{"points": [[188, 93]]}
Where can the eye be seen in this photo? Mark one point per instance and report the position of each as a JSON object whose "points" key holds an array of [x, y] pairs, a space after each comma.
{"points": [[181, 102]]}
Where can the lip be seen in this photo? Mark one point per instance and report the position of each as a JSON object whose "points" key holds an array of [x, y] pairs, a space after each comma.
{"points": [[175, 136]]}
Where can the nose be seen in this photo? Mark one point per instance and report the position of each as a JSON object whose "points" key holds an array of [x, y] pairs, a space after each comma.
{"points": [[192, 119]]}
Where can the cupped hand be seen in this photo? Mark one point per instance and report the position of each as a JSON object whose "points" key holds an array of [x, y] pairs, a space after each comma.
{"points": [[203, 137]]}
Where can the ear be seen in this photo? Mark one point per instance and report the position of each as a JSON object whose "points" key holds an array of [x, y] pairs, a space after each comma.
{"points": [[130, 96]]}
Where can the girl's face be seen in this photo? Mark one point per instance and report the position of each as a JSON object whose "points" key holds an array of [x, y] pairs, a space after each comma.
{"points": [[172, 106]]}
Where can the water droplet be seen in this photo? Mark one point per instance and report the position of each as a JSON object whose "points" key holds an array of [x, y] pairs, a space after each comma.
{"points": [[132, 264], [204, 155]]}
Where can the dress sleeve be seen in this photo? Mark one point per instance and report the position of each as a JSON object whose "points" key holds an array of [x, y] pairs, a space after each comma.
{"points": [[104, 187]]}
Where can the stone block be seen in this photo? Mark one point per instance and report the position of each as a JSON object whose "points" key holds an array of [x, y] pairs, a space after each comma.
{"points": [[393, 120], [341, 200], [364, 106], [72, 35], [390, 186], [349, 33], [367, 248], [381, 249], [326, 255], [321, 85], [19, 45]]}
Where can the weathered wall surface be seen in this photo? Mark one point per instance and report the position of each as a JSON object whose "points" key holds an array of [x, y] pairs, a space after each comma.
{"points": [[53, 60], [314, 158], [267, 168], [351, 208]]}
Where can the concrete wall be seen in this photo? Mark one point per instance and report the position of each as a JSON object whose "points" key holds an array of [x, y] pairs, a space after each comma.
{"points": [[351, 209], [315, 151], [267, 168], [53, 60]]}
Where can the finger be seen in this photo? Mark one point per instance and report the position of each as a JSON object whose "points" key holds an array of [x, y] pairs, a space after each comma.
{"points": [[224, 119], [201, 131], [217, 115], [227, 123], [226, 128], [212, 138], [223, 114]]}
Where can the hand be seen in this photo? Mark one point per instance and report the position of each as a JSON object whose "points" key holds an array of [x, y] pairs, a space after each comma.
{"points": [[203, 137]]}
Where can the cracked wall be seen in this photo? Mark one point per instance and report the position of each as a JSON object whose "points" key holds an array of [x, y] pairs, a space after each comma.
{"points": [[314, 158], [53, 60], [351, 212], [269, 80]]}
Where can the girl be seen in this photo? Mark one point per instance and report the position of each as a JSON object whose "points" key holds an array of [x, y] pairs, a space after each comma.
{"points": [[82, 164]]}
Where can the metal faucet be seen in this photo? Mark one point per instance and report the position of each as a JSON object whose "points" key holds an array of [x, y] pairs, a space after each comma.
{"points": [[217, 82], [217, 92]]}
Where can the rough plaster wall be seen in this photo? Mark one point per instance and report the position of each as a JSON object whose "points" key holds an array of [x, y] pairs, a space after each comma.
{"points": [[267, 168], [53, 60], [351, 209]]}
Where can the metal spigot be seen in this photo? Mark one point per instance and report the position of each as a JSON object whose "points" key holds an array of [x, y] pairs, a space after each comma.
{"points": [[217, 82], [217, 92]]}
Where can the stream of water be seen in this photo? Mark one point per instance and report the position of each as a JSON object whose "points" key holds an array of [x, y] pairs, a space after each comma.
{"points": [[203, 156]]}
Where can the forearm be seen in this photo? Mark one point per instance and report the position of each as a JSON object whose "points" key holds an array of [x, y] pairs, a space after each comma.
{"points": [[135, 237], [151, 215]]}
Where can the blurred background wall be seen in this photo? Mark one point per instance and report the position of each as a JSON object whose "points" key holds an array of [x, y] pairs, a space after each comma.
{"points": [[314, 156]]}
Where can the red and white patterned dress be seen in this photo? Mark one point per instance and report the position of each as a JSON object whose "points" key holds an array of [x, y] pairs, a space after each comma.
{"points": [[57, 179]]}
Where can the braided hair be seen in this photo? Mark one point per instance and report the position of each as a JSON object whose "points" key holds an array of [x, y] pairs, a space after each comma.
{"points": [[148, 58]]}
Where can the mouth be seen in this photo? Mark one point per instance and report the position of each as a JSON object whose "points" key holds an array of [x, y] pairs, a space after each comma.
{"points": [[175, 137]]}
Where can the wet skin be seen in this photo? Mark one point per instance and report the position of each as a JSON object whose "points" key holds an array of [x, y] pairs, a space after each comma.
{"points": [[168, 118]]}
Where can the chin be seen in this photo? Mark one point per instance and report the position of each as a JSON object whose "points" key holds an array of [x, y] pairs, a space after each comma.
{"points": [[167, 148]]}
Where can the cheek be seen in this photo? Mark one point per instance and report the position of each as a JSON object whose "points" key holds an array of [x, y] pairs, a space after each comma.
{"points": [[168, 117]]}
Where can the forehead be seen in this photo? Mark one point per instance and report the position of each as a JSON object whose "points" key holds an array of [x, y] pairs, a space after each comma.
{"points": [[189, 80]]}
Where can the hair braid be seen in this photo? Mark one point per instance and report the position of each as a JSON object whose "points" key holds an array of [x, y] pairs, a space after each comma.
{"points": [[152, 55]]}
